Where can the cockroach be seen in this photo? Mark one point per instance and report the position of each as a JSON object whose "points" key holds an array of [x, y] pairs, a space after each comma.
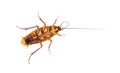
{"points": [[40, 35]]}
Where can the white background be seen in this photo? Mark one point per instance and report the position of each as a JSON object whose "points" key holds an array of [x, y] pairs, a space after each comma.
{"points": [[79, 51]]}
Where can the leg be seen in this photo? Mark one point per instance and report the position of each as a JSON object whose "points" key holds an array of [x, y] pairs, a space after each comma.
{"points": [[34, 52], [59, 35], [49, 46], [55, 21], [28, 27], [41, 20]]}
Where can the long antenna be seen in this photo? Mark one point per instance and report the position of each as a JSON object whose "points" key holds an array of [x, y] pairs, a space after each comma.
{"points": [[66, 27], [85, 28]]}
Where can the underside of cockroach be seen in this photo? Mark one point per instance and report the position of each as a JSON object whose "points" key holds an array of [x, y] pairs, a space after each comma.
{"points": [[40, 35]]}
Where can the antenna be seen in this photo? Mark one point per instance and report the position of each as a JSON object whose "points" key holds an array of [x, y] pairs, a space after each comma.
{"points": [[77, 28], [85, 28]]}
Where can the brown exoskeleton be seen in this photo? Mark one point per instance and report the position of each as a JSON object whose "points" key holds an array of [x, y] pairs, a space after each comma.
{"points": [[44, 33], [40, 35]]}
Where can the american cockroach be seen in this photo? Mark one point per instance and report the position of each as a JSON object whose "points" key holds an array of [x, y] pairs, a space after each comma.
{"points": [[41, 34]]}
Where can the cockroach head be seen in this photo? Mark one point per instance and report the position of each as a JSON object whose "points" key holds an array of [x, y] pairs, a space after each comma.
{"points": [[58, 28]]}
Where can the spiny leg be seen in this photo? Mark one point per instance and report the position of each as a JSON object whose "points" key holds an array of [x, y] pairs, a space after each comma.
{"points": [[60, 35], [41, 20], [49, 46], [55, 21], [28, 27], [34, 53]]}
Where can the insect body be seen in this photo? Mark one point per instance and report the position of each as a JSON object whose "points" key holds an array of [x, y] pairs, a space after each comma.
{"points": [[40, 35]]}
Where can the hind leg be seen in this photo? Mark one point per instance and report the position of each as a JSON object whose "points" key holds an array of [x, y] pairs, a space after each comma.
{"points": [[34, 52], [49, 46], [28, 27]]}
